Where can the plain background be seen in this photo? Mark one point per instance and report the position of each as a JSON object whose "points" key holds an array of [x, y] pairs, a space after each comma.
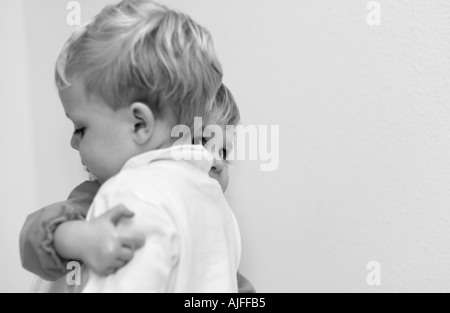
{"points": [[364, 118]]}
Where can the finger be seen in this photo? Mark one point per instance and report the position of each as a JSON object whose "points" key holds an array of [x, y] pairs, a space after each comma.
{"points": [[119, 212], [118, 264], [106, 272], [125, 255], [110, 271], [134, 243]]}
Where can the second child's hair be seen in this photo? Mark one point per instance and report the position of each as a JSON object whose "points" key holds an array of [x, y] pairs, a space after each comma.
{"points": [[141, 51], [224, 110]]}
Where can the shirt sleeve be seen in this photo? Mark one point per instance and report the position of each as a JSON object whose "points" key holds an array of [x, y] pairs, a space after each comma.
{"points": [[150, 269], [37, 236]]}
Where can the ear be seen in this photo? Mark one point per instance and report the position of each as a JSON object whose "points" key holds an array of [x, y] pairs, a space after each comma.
{"points": [[143, 122]]}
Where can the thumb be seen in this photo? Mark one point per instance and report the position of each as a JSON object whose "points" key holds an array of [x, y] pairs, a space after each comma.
{"points": [[119, 212]]}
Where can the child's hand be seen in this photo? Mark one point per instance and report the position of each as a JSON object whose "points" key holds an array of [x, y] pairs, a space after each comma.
{"points": [[107, 249], [99, 243]]}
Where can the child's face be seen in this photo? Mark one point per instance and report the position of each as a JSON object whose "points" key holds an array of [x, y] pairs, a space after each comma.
{"points": [[102, 136], [220, 169], [220, 172]]}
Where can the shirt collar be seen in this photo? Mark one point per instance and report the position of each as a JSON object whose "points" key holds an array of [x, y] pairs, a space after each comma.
{"points": [[196, 155]]}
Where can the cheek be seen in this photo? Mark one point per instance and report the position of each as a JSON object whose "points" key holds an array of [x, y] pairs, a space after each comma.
{"points": [[92, 152], [82, 150], [86, 155]]}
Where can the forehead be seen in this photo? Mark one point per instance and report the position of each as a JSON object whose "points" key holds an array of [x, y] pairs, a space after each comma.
{"points": [[78, 104], [73, 98]]}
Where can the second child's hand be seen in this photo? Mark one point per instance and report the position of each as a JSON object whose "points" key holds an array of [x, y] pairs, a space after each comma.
{"points": [[98, 243]]}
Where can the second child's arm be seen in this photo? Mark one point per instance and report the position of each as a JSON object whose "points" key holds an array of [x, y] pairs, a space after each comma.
{"points": [[58, 233], [37, 236], [98, 243]]}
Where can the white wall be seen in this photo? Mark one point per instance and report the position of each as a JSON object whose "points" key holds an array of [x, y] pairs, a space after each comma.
{"points": [[365, 136], [17, 164]]}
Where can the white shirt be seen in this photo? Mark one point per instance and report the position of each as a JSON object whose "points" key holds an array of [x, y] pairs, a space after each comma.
{"points": [[193, 242]]}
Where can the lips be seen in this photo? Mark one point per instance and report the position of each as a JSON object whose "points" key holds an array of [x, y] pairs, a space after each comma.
{"points": [[86, 169], [92, 177], [84, 166]]}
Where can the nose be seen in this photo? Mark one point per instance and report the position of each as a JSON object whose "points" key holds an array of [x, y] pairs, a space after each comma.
{"points": [[218, 165], [75, 142]]}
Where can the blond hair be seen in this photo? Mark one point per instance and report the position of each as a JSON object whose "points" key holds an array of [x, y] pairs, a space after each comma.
{"points": [[141, 51], [224, 110]]}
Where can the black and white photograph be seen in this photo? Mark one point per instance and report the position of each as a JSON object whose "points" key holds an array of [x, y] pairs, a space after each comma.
{"points": [[225, 147]]}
